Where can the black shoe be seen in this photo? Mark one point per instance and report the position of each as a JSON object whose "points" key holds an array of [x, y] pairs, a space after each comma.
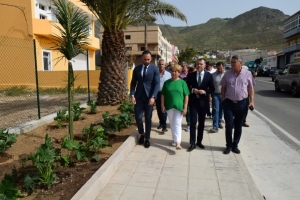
{"points": [[147, 144], [164, 130], [221, 126], [200, 145], [236, 150], [227, 150], [192, 147], [141, 140], [159, 127]]}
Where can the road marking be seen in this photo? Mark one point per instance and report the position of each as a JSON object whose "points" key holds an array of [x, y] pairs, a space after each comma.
{"points": [[265, 81], [279, 128]]}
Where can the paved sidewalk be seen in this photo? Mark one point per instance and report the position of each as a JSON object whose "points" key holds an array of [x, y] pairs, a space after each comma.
{"points": [[162, 172]]}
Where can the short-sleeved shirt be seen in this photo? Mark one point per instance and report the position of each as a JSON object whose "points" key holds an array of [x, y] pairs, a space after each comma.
{"points": [[174, 92], [217, 77], [237, 86], [165, 76]]}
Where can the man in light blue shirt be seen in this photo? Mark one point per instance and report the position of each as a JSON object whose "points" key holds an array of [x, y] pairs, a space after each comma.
{"points": [[164, 75]]}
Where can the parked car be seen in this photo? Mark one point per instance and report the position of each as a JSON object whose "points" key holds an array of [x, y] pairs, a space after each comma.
{"points": [[289, 79], [262, 71], [275, 73]]}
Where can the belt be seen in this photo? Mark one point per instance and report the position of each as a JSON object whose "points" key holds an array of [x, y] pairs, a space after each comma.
{"points": [[234, 101]]}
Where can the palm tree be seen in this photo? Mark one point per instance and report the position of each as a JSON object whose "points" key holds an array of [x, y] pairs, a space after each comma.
{"points": [[73, 26], [115, 16]]}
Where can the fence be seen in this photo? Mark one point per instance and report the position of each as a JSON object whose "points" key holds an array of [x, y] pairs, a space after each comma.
{"points": [[26, 93]]}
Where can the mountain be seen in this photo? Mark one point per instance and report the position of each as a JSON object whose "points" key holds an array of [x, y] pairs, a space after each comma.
{"points": [[258, 28]]}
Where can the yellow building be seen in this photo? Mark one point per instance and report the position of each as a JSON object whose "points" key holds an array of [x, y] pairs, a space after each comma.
{"points": [[32, 19]]}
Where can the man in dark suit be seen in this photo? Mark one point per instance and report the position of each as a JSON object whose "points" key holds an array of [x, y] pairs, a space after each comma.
{"points": [[143, 90], [201, 85]]}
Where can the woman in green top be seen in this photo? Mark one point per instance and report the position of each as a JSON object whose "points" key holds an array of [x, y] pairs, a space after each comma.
{"points": [[174, 101]]}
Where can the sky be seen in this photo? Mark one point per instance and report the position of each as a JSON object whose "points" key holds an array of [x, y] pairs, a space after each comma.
{"points": [[200, 11]]}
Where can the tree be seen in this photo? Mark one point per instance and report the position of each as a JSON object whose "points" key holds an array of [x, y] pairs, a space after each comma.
{"points": [[188, 55], [73, 26], [115, 16]]}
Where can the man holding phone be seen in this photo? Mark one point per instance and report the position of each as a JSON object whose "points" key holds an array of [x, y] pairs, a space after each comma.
{"points": [[237, 85]]}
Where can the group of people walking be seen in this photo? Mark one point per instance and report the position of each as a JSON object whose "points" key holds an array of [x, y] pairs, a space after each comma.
{"points": [[179, 91]]}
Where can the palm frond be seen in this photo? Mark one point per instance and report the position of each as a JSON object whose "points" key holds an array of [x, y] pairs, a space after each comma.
{"points": [[73, 26]]}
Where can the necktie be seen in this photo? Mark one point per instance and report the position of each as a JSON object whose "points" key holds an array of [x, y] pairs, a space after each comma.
{"points": [[144, 72], [199, 79]]}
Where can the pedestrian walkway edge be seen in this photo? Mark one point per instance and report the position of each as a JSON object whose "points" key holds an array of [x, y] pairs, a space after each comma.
{"points": [[248, 178], [92, 188]]}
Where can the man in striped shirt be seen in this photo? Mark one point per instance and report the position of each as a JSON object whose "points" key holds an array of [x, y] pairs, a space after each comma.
{"points": [[237, 84]]}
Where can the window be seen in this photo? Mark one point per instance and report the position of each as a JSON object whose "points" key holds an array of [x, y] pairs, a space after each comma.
{"points": [[47, 61], [43, 16], [143, 49], [127, 37], [42, 7], [128, 48], [294, 69]]}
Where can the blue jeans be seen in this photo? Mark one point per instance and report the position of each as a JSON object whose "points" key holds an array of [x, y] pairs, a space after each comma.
{"points": [[234, 114], [217, 109]]}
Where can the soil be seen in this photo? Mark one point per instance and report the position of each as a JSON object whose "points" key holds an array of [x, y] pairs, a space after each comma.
{"points": [[70, 179]]}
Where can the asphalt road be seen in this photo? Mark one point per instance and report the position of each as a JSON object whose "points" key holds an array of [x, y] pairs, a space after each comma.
{"points": [[280, 107]]}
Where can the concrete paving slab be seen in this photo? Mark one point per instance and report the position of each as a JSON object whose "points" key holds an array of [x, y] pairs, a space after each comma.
{"points": [[162, 194], [203, 186], [173, 182], [137, 193]]}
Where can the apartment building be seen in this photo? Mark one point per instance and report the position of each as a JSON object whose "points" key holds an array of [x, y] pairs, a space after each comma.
{"points": [[159, 46], [32, 19], [292, 38]]}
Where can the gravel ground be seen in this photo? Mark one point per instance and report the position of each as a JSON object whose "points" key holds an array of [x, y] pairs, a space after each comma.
{"points": [[18, 110]]}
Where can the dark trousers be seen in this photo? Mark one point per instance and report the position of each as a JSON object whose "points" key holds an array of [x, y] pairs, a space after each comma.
{"points": [[197, 111], [161, 116], [208, 113], [234, 115], [142, 106], [246, 110]]}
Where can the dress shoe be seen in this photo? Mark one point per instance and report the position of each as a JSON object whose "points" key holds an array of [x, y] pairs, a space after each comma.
{"points": [[221, 126], [200, 146], [245, 125], [141, 140], [236, 150], [159, 127], [147, 144], [227, 150], [192, 147]]}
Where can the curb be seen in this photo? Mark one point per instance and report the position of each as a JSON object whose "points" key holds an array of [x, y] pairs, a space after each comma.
{"points": [[28, 126], [248, 178], [92, 188]]}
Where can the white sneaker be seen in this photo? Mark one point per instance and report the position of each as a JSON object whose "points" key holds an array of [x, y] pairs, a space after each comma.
{"points": [[187, 129], [178, 147], [173, 144]]}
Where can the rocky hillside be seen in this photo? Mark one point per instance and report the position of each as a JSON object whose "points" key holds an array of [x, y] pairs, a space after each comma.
{"points": [[258, 28]]}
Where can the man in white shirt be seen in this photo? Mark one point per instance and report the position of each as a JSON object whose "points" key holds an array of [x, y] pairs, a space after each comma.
{"points": [[164, 75]]}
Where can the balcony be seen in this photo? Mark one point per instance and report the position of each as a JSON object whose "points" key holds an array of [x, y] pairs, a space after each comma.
{"points": [[44, 28], [291, 32], [292, 48]]}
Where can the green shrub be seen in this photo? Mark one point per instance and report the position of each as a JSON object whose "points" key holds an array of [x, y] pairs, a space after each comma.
{"points": [[18, 90], [93, 106], [8, 187], [6, 139]]}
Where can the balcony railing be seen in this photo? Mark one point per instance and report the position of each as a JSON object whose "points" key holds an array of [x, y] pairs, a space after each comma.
{"points": [[291, 48]]}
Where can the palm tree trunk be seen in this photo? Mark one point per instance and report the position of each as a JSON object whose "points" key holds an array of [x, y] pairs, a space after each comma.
{"points": [[112, 86], [146, 30], [70, 98]]}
